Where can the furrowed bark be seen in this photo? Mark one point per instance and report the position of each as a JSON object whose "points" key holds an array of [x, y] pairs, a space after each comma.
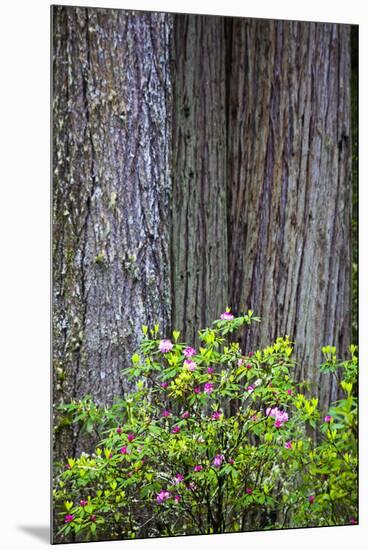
{"points": [[111, 191], [199, 227], [289, 171]]}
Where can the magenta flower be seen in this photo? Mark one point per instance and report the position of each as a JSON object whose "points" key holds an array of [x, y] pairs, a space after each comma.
{"points": [[288, 445], [83, 503], [210, 370], [249, 491], [311, 499], [164, 385], [251, 388], [217, 460], [216, 415], [68, 467], [280, 416], [178, 479], [162, 496], [185, 414], [68, 518], [198, 468], [190, 365], [118, 430], [130, 437], [254, 417], [231, 461], [124, 450], [208, 387], [165, 346], [290, 392], [248, 366], [353, 521], [165, 413], [188, 352], [177, 498], [250, 354], [192, 486], [226, 316], [175, 430], [328, 418], [92, 518], [197, 389]]}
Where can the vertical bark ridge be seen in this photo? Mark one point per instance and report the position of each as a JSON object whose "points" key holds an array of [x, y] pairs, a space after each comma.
{"points": [[199, 216], [289, 249]]}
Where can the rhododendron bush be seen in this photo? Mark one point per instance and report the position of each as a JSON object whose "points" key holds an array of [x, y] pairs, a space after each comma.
{"points": [[212, 440]]}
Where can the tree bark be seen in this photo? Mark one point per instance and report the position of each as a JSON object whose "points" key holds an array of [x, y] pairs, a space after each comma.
{"points": [[111, 190], [199, 218], [289, 145]]}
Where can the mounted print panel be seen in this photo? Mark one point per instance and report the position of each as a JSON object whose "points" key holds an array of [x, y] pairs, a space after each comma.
{"points": [[204, 226]]}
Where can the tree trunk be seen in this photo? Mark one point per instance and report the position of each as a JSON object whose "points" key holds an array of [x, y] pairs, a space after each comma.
{"points": [[199, 220], [111, 190], [290, 186]]}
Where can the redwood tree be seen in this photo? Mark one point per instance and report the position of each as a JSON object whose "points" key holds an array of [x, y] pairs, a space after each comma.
{"points": [[289, 146]]}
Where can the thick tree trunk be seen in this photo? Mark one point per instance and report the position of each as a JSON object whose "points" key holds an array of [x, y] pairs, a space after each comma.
{"points": [[199, 226], [111, 187], [289, 146]]}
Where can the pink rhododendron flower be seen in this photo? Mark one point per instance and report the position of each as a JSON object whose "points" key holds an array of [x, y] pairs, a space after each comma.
{"points": [[311, 499], [177, 498], [92, 518], [188, 352], [248, 366], [165, 413], [178, 479], [164, 385], [165, 346], [210, 370], [279, 416], [290, 392], [198, 468], [288, 445], [83, 502], [130, 437], [216, 415], [124, 450], [328, 418], [185, 414], [68, 518], [162, 496], [250, 354], [118, 430], [251, 388], [197, 389], [190, 365], [227, 316], [218, 460], [249, 491], [175, 430], [208, 387]]}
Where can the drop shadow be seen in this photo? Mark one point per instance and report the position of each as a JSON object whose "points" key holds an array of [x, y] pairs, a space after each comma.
{"points": [[40, 532]]}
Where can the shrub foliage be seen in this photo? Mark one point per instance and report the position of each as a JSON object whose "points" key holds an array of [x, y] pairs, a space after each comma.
{"points": [[212, 440]]}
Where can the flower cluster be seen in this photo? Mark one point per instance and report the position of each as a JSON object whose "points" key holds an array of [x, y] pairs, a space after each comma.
{"points": [[280, 416]]}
